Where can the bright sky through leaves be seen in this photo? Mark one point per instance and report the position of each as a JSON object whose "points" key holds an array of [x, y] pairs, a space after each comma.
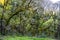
{"points": [[54, 1], [2, 2]]}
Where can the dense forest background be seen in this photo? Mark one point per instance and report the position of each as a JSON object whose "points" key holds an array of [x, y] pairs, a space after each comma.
{"points": [[28, 18]]}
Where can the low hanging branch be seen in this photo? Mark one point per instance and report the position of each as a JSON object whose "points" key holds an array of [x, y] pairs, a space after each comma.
{"points": [[18, 9], [17, 12]]}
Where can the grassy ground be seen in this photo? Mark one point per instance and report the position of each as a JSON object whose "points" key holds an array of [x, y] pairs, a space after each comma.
{"points": [[22, 38]]}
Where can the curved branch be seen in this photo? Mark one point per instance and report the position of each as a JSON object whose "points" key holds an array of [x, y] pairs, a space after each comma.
{"points": [[17, 12], [19, 9]]}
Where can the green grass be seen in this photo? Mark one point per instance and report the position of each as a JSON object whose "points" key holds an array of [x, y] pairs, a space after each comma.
{"points": [[24, 38]]}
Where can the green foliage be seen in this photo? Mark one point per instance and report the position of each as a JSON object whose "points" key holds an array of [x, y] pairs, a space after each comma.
{"points": [[22, 17], [47, 23]]}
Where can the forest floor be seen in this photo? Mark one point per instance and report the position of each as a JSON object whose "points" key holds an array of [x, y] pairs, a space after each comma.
{"points": [[22, 38]]}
